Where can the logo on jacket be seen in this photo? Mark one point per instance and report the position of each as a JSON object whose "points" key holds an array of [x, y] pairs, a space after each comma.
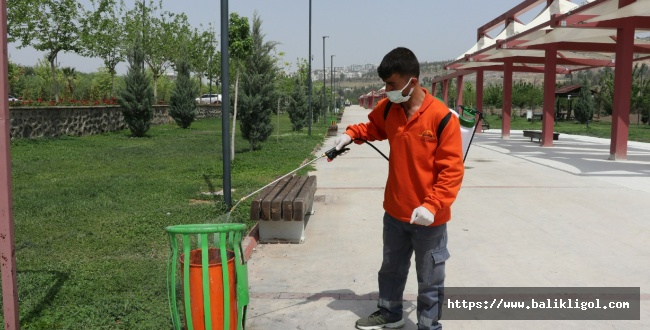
{"points": [[427, 134]]}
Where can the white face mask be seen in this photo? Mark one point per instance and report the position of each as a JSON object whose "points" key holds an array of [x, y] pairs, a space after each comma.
{"points": [[397, 97]]}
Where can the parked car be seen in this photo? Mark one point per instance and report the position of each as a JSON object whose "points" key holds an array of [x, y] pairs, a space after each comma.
{"points": [[13, 99], [209, 99]]}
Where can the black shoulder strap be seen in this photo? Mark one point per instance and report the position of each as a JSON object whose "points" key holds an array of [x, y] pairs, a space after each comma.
{"points": [[443, 124], [387, 108]]}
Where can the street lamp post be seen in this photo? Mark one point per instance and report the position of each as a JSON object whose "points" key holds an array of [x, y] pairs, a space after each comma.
{"points": [[332, 82], [309, 71], [324, 110], [225, 104]]}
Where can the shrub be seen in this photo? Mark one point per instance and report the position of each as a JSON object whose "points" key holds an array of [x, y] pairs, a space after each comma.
{"points": [[137, 97], [181, 103]]}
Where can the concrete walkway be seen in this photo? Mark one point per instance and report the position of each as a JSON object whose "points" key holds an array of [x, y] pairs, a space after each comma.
{"points": [[526, 216]]}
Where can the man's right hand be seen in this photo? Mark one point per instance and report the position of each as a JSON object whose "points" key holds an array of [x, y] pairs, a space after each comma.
{"points": [[342, 141]]}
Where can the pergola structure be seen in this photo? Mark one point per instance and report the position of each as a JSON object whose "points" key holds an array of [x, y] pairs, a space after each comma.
{"points": [[565, 37], [566, 92], [370, 99]]}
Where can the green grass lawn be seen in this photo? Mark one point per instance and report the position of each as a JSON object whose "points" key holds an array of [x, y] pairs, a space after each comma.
{"points": [[600, 129], [90, 214]]}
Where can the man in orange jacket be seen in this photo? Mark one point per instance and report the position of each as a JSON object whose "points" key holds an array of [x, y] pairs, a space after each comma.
{"points": [[424, 176]]}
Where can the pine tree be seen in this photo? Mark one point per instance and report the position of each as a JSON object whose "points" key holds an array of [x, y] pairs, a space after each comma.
{"points": [[181, 103], [299, 109], [317, 105], [584, 107], [258, 98], [137, 98]]}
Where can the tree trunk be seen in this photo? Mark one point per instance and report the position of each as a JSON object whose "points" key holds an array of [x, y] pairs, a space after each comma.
{"points": [[155, 88], [234, 118], [113, 83], [54, 84]]}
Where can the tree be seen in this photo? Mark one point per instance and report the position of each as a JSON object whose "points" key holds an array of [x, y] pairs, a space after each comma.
{"points": [[258, 95], [70, 76], [201, 50], [299, 105], [493, 95], [14, 72], [137, 98], [101, 86], [102, 35], [584, 107], [317, 103], [51, 26], [520, 92], [469, 94], [181, 104], [451, 98], [641, 91], [164, 35], [605, 96], [239, 47]]}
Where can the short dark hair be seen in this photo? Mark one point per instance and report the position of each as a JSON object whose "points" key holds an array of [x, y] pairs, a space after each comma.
{"points": [[401, 61]]}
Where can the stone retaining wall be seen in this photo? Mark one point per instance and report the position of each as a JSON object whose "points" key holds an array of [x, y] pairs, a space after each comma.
{"points": [[34, 122]]}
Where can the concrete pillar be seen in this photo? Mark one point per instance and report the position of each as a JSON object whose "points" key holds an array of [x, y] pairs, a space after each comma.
{"points": [[479, 99], [506, 112], [459, 90], [445, 91], [622, 92], [550, 76]]}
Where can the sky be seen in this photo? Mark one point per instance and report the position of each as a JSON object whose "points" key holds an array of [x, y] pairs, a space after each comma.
{"points": [[359, 32]]}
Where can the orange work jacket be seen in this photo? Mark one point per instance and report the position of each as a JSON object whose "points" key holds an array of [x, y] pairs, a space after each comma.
{"points": [[421, 171]]}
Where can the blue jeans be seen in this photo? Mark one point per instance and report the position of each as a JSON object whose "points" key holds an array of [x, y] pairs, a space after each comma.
{"points": [[430, 245]]}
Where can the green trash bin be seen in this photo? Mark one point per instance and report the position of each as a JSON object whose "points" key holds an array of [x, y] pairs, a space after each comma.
{"points": [[214, 296]]}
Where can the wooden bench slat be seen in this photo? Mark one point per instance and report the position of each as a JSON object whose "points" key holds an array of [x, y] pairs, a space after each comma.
{"points": [[287, 203], [256, 204], [276, 203], [266, 202], [304, 199]]}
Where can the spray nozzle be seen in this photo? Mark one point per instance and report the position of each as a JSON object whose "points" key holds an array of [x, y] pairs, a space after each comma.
{"points": [[332, 153]]}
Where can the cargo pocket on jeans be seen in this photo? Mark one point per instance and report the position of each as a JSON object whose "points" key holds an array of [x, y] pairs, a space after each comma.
{"points": [[440, 255], [435, 272]]}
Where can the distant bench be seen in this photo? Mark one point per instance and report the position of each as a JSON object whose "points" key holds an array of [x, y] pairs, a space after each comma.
{"points": [[484, 124], [282, 209], [538, 135]]}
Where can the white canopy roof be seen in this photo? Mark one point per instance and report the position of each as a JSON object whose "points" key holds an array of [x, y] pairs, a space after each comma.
{"points": [[540, 32]]}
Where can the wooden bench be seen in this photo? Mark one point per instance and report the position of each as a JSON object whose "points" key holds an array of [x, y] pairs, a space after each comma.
{"points": [[283, 209], [538, 135], [484, 125]]}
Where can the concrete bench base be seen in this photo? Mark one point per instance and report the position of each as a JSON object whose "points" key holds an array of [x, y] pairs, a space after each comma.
{"points": [[282, 231]]}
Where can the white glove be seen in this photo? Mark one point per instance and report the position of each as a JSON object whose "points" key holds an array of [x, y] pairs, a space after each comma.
{"points": [[422, 216], [342, 141]]}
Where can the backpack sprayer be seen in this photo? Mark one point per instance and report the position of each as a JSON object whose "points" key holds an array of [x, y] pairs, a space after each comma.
{"points": [[466, 118], [468, 122]]}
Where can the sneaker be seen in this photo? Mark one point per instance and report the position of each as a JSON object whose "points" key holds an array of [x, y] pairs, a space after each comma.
{"points": [[376, 321]]}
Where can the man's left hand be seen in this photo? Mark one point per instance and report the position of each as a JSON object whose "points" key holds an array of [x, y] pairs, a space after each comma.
{"points": [[422, 216]]}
